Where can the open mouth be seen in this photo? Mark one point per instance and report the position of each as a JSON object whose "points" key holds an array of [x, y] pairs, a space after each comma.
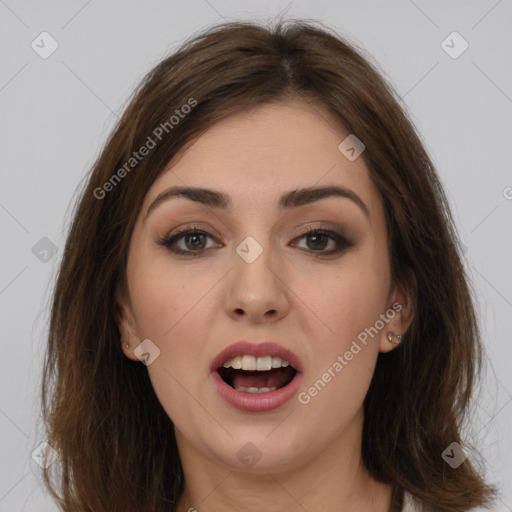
{"points": [[252, 374]]}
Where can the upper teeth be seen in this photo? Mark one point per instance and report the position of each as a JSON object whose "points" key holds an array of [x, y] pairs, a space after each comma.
{"points": [[255, 363]]}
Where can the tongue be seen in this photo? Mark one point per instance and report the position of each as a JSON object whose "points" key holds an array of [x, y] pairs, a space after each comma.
{"points": [[277, 377]]}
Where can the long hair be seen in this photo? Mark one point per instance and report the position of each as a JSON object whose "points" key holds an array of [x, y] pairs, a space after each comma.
{"points": [[116, 445]]}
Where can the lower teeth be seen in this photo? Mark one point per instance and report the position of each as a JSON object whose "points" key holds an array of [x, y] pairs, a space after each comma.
{"points": [[255, 390]]}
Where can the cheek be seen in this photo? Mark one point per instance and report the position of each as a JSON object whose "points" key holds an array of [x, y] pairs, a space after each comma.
{"points": [[349, 299], [351, 303], [156, 303], [170, 312], [163, 296], [344, 355], [174, 308]]}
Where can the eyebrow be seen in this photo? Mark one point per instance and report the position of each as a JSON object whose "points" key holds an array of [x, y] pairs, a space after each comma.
{"points": [[289, 200]]}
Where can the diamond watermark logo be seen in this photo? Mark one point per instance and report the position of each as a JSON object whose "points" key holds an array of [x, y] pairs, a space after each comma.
{"points": [[249, 455], [249, 249], [454, 45], [44, 455], [454, 455], [147, 352], [44, 250], [351, 147], [44, 45]]}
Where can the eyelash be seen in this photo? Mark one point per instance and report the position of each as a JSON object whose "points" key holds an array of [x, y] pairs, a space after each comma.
{"points": [[342, 241]]}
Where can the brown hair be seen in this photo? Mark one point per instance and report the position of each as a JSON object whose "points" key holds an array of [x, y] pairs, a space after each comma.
{"points": [[116, 443]]}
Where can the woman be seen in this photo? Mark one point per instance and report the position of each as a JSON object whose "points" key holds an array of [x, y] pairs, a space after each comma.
{"points": [[261, 303]]}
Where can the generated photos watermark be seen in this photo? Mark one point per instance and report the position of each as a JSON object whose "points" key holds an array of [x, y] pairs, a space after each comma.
{"points": [[343, 360], [151, 143]]}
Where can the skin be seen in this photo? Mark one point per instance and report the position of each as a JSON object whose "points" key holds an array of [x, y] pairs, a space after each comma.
{"points": [[192, 308]]}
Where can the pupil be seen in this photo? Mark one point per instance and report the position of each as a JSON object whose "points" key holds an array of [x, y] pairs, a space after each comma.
{"points": [[316, 237], [196, 235]]}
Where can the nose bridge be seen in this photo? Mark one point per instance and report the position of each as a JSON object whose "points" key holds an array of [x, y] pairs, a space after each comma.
{"points": [[254, 259], [255, 287], [256, 228]]}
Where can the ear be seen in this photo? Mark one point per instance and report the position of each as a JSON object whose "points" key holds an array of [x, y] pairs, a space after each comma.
{"points": [[400, 313], [126, 325]]}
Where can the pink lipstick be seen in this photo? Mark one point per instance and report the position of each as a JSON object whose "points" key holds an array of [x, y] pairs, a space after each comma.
{"points": [[256, 377]]}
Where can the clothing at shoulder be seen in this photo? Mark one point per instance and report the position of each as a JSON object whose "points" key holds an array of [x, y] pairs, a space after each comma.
{"points": [[412, 505]]}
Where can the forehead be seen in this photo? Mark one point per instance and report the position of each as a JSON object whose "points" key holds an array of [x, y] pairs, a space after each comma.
{"points": [[255, 156]]}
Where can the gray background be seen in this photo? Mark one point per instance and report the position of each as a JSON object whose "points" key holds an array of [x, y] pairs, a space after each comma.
{"points": [[57, 112]]}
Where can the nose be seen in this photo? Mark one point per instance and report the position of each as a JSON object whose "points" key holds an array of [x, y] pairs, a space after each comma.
{"points": [[257, 290]]}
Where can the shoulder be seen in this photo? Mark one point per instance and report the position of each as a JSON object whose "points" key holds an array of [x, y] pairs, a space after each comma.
{"points": [[412, 505]]}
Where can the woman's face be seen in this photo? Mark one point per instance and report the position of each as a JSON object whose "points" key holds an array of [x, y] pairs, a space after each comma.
{"points": [[253, 274]]}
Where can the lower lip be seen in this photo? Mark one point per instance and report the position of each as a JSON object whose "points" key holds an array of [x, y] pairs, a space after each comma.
{"points": [[257, 402]]}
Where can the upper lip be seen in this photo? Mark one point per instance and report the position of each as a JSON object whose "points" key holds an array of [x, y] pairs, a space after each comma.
{"points": [[265, 348]]}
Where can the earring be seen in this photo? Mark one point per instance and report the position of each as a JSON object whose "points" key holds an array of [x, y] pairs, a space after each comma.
{"points": [[390, 338], [127, 345]]}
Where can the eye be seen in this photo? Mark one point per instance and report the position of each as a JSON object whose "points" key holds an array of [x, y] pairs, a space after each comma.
{"points": [[194, 241], [320, 239]]}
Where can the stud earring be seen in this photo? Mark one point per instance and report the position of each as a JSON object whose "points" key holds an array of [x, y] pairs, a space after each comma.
{"points": [[127, 345], [391, 340]]}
